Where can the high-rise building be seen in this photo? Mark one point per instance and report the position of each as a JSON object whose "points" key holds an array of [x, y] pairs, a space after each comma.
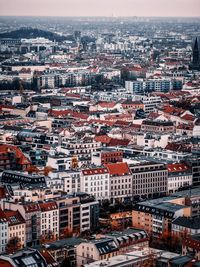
{"points": [[196, 54]]}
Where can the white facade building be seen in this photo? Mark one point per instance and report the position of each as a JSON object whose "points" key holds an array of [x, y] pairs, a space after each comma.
{"points": [[3, 233], [95, 182]]}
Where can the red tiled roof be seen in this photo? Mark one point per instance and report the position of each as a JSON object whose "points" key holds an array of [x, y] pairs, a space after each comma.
{"points": [[6, 107], [107, 104], [103, 139], [185, 127], [47, 206], [118, 142], [73, 95], [124, 116], [31, 207], [178, 147], [177, 167], [173, 111], [118, 169], [64, 113], [14, 217], [22, 159], [153, 115], [103, 122], [122, 123], [188, 117], [94, 171], [5, 263], [49, 258]]}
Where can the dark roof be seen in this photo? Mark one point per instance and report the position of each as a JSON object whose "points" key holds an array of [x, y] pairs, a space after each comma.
{"points": [[105, 246], [180, 261], [196, 237], [65, 243], [27, 257], [188, 222], [158, 123], [158, 207]]}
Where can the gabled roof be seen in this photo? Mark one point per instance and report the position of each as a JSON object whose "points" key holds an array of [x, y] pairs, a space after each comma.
{"points": [[188, 117], [21, 158], [51, 262], [14, 217]]}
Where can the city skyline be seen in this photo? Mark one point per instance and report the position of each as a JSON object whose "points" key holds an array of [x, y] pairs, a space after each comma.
{"points": [[109, 8]]}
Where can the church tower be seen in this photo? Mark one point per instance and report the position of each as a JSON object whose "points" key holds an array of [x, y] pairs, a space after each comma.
{"points": [[196, 54]]}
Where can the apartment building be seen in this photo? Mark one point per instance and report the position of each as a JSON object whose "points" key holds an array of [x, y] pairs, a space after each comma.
{"points": [[157, 126], [184, 226], [59, 161], [71, 181], [16, 226], [95, 181], [95, 250], [148, 179], [106, 156], [156, 216], [150, 103], [32, 215], [120, 182], [191, 198], [12, 158], [77, 213], [49, 219], [140, 87], [179, 175], [191, 246], [82, 148], [129, 238], [4, 231]]}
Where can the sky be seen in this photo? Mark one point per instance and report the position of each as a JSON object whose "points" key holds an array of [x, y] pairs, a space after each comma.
{"points": [[160, 8]]}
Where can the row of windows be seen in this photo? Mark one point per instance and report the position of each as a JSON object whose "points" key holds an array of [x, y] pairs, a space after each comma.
{"points": [[98, 177], [44, 215], [122, 192]]}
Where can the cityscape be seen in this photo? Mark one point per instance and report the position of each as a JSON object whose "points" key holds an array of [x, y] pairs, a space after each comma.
{"points": [[100, 133]]}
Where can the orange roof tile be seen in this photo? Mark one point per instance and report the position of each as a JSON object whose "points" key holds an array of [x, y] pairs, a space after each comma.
{"points": [[118, 169]]}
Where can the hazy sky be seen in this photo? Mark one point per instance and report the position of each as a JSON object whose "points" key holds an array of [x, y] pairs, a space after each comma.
{"points": [[100, 7]]}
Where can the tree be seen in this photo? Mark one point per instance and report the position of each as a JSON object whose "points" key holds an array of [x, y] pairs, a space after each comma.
{"points": [[47, 170], [66, 232], [32, 169], [13, 245], [115, 225], [48, 237]]}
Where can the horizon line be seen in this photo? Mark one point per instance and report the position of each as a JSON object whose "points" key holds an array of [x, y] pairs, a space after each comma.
{"points": [[100, 16]]}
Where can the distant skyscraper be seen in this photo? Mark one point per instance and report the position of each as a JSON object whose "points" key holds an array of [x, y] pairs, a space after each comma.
{"points": [[196, 54]]}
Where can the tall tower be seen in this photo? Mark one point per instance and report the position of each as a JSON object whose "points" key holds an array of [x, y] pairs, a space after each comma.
{"points": [[196, 54]]}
